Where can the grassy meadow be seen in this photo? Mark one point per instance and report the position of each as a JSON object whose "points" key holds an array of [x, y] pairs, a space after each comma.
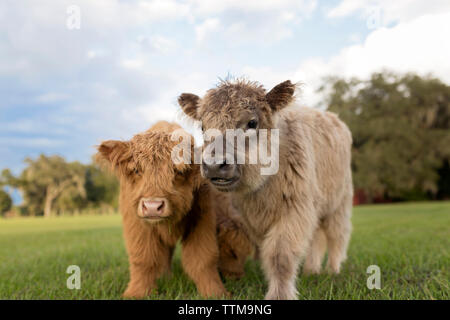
{"points": [[409, 242]]}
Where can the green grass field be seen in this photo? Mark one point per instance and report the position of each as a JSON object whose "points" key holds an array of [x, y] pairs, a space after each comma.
{"points": [[409, 242]]}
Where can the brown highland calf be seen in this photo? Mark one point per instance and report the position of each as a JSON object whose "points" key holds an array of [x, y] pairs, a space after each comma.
{"points": [[162, 202], [307, 204]]}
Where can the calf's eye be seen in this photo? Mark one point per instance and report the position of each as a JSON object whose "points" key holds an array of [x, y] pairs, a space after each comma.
{"points": [[252, 124]]}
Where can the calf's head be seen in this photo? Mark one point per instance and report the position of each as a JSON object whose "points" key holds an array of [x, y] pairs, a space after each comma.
{"points": [[152, 186], [243, 108]]}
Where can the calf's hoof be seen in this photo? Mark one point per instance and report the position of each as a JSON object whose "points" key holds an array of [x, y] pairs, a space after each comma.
{"points": [[216, 293], [136, 293], [277, 294]]}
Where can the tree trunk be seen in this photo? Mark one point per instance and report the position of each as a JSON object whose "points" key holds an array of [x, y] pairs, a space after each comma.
{"points": [[49, 197], [48, 206], [51, 194]]}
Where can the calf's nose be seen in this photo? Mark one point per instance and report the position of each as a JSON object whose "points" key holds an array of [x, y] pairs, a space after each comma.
{"points": [[153, 208], [215, 170]]}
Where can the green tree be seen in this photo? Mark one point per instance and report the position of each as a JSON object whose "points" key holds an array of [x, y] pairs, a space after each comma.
{"points": [[102, 188], [400, 127], [46, 178], [50, 185], [5, 202]]}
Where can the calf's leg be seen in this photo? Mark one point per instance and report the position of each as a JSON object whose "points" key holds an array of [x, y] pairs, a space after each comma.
{"points": [[147, 254], [200, 256], [316, 252], [200, 253], [234, 249], [281, 251], [144, 273], [338, 228]]}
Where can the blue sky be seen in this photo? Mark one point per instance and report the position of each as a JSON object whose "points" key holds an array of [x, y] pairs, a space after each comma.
{"points": [[63, 90]]}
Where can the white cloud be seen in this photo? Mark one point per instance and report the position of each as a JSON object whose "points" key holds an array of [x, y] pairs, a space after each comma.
{"points": [[346, 7], [132, 63], [251, 21], [161, 9], [419, 46], [92, 54], [307, 78], [116, 14], [162, 44], [201, 7], [51, 97], [267, 76], [35, 142], [390, 11], [206, 28]]}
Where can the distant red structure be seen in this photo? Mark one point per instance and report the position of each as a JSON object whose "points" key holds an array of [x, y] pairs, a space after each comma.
{"points": [[359, 197]]}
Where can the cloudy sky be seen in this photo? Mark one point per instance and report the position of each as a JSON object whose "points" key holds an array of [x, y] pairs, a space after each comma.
{"points": [[68, 83]]}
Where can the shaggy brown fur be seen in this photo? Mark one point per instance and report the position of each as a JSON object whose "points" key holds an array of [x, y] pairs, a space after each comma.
{"points": [[146, 171], [234, 244], [307, 204]]}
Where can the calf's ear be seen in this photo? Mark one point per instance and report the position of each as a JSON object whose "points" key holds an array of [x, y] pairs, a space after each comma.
{"points": [[112, 153], [189, 104], [281, 95]]}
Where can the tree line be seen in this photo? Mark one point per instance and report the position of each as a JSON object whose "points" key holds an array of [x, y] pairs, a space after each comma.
{"points": [[401, 149], [49, 185], [401, 134]]}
